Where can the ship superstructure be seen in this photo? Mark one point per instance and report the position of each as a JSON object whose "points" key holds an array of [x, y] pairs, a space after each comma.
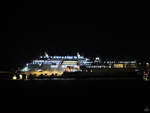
{"points": [[56, 65]]}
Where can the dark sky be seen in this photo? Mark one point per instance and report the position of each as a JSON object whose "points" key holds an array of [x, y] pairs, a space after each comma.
{"points": [[28, 35], [67, 40], [22, 44]]}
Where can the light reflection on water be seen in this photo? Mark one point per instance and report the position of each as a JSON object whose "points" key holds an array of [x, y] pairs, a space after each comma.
{"points": [[134, 77], [91, 78]]}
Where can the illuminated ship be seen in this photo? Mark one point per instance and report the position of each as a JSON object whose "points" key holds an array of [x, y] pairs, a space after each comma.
{"points": [[60, 65], [55, 65]]}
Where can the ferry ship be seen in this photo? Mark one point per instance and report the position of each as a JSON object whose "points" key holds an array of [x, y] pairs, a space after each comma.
{"points": [[60, 65], [55, 65]]}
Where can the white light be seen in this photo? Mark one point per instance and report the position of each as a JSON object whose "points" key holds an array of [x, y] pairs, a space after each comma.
{"points": [[75, 57], [46, 55], [97, 58], [81, 57], [14, 77], [25, 69], [39, 70], [133, 62], [147, 63], [54, 66], [78, 55]]}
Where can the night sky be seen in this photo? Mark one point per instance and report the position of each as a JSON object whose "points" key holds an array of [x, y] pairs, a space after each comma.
{"points": [[26, 37], [66, 39]]}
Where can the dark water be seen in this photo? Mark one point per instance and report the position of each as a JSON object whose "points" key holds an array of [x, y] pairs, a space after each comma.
{"points": [[111, 95]]}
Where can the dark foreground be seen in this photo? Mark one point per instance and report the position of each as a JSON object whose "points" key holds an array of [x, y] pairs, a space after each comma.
{"points": [[67, 96]]}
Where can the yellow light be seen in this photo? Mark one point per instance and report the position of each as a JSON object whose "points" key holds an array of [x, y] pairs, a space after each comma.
{"points": [[20, 77], [14, 77], [70, 62], [67, 69], [26, 77], [118, 65]]}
